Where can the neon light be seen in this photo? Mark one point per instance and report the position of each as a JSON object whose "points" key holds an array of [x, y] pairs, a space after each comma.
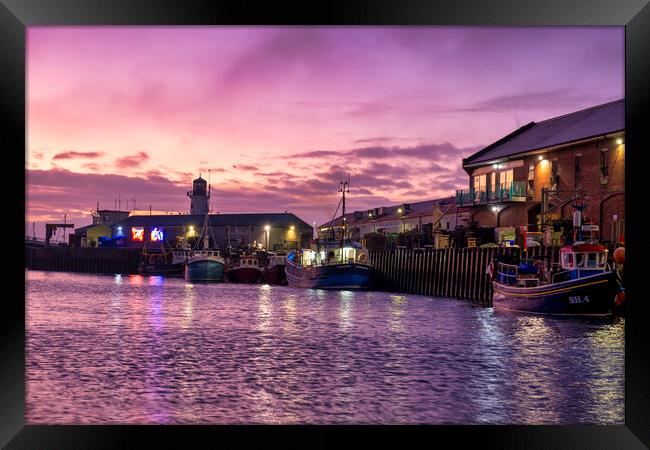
{"points": [[157, 234], [137, 234]]}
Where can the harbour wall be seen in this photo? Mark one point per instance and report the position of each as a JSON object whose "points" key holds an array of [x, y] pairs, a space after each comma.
{"points": [[86, 260], [450, 272]]}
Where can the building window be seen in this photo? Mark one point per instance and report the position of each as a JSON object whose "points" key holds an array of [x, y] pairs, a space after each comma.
{"points": [[578, 171], [531, 179], [554, 177], [505, 181], [604, 163], [479, 187], [493, 185]]}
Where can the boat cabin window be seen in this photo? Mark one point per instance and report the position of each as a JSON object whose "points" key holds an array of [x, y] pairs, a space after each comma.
{"points": [[592, 259], [584, 260], [568, 260]]}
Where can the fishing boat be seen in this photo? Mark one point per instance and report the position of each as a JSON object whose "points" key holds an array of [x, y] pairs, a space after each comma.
{"points": [[245, 270], [331, 264], [160, 262], [584, 284], [275, 269], [205, 264]]}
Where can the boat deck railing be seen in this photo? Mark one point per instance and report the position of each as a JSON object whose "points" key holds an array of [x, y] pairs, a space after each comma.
{"points": [[509, 274]]}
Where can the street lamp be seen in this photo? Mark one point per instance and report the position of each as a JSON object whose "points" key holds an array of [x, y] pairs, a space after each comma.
{"points": [[267, 229]]}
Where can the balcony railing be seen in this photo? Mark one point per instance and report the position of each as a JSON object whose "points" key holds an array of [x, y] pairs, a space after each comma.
{"points": [[503, 192]]}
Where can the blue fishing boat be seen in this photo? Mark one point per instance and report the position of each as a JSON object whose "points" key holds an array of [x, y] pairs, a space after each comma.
{"points": [[584, 285], [333, 264], [205, 264], [339, 268]]}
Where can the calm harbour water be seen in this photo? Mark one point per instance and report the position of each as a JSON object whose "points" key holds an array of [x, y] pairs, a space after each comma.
{"points": [[148, 350]]}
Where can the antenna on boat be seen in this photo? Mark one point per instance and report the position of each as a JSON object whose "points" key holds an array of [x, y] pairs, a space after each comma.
{"points": [[209, 189], [344, 188]]}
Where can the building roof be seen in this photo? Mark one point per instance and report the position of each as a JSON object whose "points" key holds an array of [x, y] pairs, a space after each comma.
{"points": [[82, 230], [587, 123], [417, 209], [249, 219]]}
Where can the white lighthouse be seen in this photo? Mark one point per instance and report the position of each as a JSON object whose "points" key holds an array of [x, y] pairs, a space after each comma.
{"points": [[199, 196]]}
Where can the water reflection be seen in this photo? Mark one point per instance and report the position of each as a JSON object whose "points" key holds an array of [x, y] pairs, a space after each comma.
{"points": [[398, 305], [264, 308], [289, 317], [135, 279], [188, 306], [345, 308], [130, 349]]}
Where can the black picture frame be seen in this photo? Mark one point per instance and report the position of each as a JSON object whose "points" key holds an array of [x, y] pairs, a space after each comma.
{"points": [[16, 15]]}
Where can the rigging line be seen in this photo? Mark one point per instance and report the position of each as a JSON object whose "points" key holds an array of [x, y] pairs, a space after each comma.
{"points": [[337, 210]]}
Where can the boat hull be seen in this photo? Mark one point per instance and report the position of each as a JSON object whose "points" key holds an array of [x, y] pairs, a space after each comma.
{"points": [[161, 269], [204, 270], [335, 276], [587, 296], [276, 275], [244, 275]]}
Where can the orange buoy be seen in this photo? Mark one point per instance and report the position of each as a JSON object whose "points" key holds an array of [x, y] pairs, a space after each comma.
{"points": [[619, 255]]}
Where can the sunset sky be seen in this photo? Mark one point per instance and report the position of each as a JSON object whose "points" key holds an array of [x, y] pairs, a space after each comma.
{"points": [[140, 111]]}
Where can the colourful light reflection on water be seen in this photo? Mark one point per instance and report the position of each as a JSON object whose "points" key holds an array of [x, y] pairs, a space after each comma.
{"points": [[133, 349]]}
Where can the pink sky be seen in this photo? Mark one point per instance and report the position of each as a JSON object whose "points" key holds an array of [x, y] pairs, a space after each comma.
{"points": [[140, 111]]}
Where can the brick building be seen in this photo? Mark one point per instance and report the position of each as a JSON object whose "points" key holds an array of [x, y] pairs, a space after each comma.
{"points": [[540, 171]]}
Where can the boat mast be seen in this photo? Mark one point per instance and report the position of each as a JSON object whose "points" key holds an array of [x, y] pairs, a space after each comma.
{"points": [[343, 189]]}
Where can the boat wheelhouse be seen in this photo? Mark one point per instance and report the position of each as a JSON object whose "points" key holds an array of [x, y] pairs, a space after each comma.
{"points": [[275, 269], [246, 270]]}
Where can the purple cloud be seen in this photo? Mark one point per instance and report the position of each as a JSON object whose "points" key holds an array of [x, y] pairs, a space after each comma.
{"points": [[76, 155], [132, 160]]}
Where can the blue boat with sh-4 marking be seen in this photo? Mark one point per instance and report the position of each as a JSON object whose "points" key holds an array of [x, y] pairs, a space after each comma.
{"points": [[585, 285]]}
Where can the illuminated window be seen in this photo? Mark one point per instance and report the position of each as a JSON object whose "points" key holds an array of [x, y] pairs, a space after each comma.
{"points": [[137, 234], [157, 234]]}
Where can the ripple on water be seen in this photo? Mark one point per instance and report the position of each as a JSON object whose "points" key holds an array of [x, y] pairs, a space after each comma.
{"points": [[131, 349]]}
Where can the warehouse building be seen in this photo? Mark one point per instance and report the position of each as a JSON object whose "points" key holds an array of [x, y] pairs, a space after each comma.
{"points": [[272, 231]]}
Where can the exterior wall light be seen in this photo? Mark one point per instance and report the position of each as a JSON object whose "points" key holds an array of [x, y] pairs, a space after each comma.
{"points": [[292, 228], [399, 211], [495, 166], [540, 157], [369, 214], [267, 228], [495, 209], [619, 141]]}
